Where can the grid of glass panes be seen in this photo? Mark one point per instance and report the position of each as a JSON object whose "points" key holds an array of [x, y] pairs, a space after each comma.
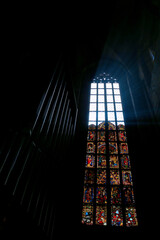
{"points": [[108, 175]]}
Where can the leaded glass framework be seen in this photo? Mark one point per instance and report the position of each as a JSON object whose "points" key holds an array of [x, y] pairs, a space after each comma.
{"points": [[108, 197]]}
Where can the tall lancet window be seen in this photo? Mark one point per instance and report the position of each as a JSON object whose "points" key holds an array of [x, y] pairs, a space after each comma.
{"points": [[108, 197]]}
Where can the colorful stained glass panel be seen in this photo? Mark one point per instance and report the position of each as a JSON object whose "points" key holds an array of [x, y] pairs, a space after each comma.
{"points": [[115, 195], [113, 161], [125, 162], [129, 195], [101, 136], [87, 215], [101, 147], [101, 215], [89, 176], [114, 177], [113, 148], [123, 148], [88, 194], [101, 126], [131, 217], [111, 126], [121, 126], [101, 161], [91, 136], [101, 196], [127, 177], [122, 136], [90, 161], [90, 147], [92, 126], [101, 176], [116, 216], [112, 136]]}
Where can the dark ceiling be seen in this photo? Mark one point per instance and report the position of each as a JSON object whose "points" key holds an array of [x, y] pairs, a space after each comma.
{"points": [[34, 37]]}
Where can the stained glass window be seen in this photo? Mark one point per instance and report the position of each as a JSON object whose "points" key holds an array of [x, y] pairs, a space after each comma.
{"points": [[115, 195], [108, 194], [101, 161], [101, 197], [101, 215], [87, 214], [116, 216]]}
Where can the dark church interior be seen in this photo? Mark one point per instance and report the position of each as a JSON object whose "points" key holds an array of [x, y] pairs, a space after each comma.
{"points": [[47, 68]]}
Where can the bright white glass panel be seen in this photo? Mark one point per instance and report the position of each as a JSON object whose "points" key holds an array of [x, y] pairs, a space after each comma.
{"points": [[117, 98], [91, 122], [92, 116], [101, 91], [120, 123], [119, 116], [93, 98], [100, 98], [116, 91], [93, 85], [118, 107], [100, 85], [112, 122], [111, 116], [92, 107], [110, 106], [101, 107], [101, 116], [109, 91], [93, 91], [109, 98], [116, 85], [99, 122], [108, 85]]}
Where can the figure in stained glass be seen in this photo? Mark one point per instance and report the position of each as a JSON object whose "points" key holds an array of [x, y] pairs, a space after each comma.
{"points": [[112, 136], [88, 194], [122, 136], [101, 215], [91, 136], [101, 136], [90, 147], [113, 161], [129, 195], [101, 176], [116, 216], [125, 162], [127, 177], [101, 196], [123, 148], [101, 147], [115, 195], [131, 217], [89, 176], [90, 160], [87, 215], [113, 149], [101, 161], [114, 177]]}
